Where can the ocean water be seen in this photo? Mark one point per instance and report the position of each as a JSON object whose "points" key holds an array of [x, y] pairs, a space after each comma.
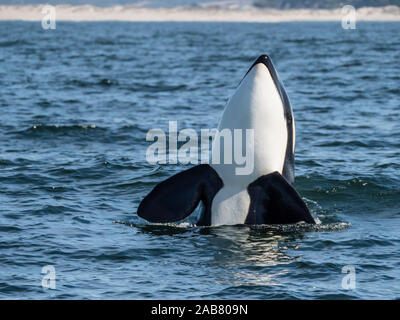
{"points": [[76, 104]]}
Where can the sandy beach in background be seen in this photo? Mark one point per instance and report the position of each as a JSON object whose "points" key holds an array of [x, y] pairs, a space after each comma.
{"points": [[132, 13]]}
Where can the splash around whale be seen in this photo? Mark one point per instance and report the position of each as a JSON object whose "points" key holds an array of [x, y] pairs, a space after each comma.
{"points": [[263, 196]]}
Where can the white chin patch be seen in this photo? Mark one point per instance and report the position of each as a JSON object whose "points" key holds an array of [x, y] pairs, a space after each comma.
{"points": [[230, 206]]}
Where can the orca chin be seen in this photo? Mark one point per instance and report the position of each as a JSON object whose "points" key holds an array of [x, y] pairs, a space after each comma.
{"points": [[266, 195]]}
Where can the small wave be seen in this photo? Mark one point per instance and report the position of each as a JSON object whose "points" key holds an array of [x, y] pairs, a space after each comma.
{"points": [[267, 229], [61, 128], [50, 209], [105, 82], [306, 40], [6, 163], [24, 178], [81, 220], [11, 229], [365, 242], [12, 43], [356, 63], [160, 228], [87, 132], [352, 143], [344, 195], [301, 227], [158, 87]]}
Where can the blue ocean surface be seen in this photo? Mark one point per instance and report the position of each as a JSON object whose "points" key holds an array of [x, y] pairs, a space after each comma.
{"points": [[76, 104]]}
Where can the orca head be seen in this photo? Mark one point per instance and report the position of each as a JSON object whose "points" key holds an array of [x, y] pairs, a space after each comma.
{"points": [[260, 78], [257, 104]]}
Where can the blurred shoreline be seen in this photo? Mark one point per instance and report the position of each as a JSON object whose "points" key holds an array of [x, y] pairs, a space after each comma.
{"points": [[200, 14]]}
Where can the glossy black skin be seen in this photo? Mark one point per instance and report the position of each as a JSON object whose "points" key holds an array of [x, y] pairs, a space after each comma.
{"points": [[176, 198], [273, 200]]}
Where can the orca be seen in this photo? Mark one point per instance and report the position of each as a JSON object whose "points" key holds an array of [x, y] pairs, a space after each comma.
{"points": [[266, 195]]}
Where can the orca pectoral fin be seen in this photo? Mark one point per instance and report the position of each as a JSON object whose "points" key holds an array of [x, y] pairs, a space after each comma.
{"points": [[176, 198], [274, 201]]}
